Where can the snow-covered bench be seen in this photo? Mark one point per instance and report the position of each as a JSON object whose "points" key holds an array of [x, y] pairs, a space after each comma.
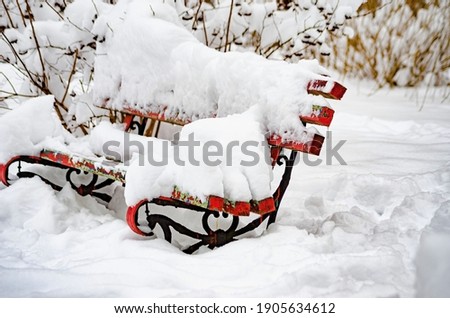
{"points": [[106, 172], [212, 85]]}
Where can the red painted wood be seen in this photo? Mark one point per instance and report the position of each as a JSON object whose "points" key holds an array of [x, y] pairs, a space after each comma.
{"points": [[4, 168], [127, 120], [324, 118], [83, 164], [238, 208], [264, 206], [132, 212], [325, 88], [3, 176], [313, 147], [157, 116], [274, 154], [215, 203], [321, 115]]}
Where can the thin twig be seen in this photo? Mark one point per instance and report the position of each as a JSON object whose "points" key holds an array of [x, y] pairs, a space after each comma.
{"points": [[83, 129], [16, 54], [70, 76], [14, 94], [21, 13], [44, 76], [10, 84], [7, 13], [204, 31], [95, 6], [372, 11], [194, 23], [56, 106], [53, 8], [229, 24]]}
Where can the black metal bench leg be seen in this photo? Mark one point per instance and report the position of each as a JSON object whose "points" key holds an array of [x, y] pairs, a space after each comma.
{"points": [[284, 183]]}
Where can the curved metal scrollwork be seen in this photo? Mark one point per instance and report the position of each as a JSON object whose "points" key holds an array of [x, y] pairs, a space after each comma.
{"points": [[5, 170], [82, 189], [91, 187], [209, 237], [139, 126], [282, 158]]}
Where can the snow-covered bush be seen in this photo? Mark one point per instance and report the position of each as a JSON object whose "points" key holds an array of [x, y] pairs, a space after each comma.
{"points": [[398, 43], [52, 44], [283, 29]]}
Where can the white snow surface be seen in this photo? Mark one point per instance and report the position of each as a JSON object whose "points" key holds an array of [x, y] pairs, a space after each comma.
{"points": [[230, 173], [148, 61], [219, 164], [29, 127], [376, 227]]}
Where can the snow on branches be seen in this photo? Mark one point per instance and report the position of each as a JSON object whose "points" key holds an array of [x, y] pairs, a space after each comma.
{"points": [[283, 29], [52, 44]]}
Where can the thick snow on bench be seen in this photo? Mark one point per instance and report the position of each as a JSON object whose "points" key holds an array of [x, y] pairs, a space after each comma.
{"points": [[153, 64], [232, 172], [34, 126], [30, 127]]}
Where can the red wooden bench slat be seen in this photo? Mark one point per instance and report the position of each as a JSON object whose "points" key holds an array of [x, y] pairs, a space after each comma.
{"points": [[212, 203], [237, 208], [323, 118], [128, 121], [85, 164], [216, 203], [263, 206], [313, 147], [325, 88], [152, 115]]}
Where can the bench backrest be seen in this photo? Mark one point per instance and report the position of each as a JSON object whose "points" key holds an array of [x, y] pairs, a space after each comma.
{"points": [[148, 122]]}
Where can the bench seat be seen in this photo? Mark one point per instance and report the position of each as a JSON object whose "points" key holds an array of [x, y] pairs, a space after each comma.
{"points": [[117, 171]]}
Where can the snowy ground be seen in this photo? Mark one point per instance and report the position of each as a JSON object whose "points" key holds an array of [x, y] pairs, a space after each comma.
{"points": [[377, 227]]}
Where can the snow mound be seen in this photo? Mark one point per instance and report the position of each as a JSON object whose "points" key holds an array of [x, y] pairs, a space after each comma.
{"points": [[160, 67], [25, 129], [433, 257]]}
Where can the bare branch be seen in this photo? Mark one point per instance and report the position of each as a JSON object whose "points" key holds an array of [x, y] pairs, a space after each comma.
{"points": [[53, 8], [21, 13], [9, 82], [44, 76], [16, 54], [7, 13], [70, 76], [228, 25], [15, 94]]}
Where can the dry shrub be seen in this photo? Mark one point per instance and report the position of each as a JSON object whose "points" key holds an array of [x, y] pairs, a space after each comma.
{"points": [[398, 43]]}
